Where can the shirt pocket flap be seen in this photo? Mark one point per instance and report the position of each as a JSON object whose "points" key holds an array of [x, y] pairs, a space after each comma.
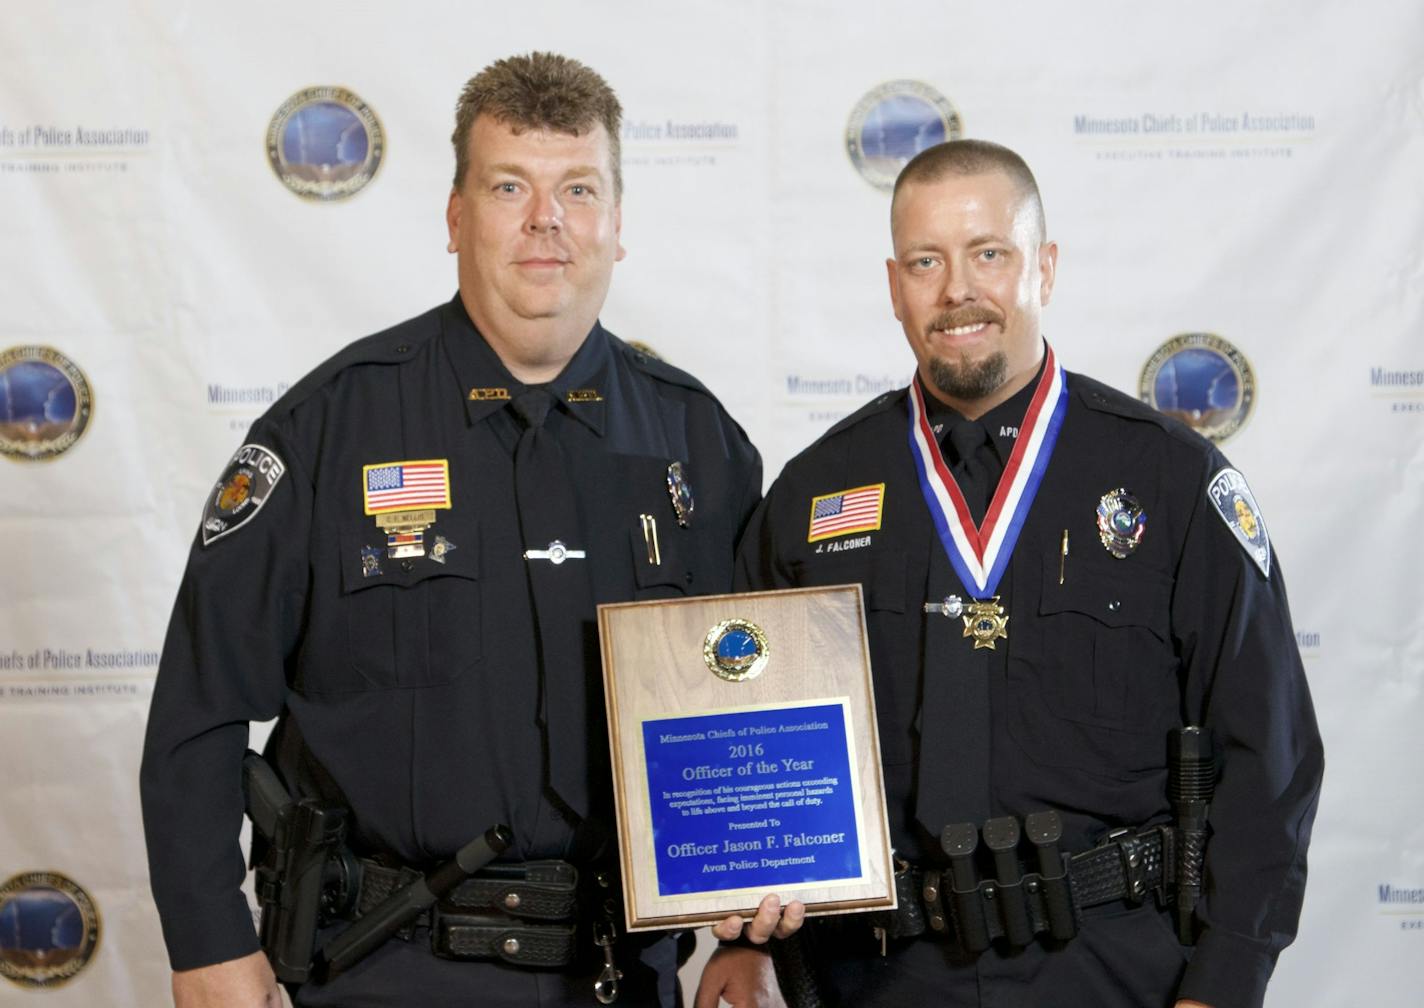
{"points": [[365, 561], [661, 562], [1123, 595]]}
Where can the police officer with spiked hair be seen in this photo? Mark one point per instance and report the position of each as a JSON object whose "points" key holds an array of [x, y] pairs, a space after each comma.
{"points": [[400, 564]]}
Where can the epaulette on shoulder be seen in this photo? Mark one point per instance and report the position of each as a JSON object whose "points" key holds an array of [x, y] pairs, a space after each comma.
{"points": [[654, 366], [879, 404], [395, 345], [1106, 399]]}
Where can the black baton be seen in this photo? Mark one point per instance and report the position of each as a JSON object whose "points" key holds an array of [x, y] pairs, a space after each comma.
{"points": [[408, 902]]}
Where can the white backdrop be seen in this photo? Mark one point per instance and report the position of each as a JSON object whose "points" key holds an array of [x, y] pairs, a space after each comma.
{"points": [[165, 259]]}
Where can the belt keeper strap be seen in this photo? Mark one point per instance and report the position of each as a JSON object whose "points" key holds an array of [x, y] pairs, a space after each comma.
{"points": [[907, 920], [1127, 865]]}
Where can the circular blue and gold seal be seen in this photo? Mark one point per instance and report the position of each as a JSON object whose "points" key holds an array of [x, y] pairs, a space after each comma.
{"points": [[736, 650], [892, 124], [325, 143], [49, 929], [1201, 380], [45, 403]]}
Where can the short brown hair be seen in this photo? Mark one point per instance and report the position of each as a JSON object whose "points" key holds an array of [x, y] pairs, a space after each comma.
{"points": [[540, 91], [973, 157]]}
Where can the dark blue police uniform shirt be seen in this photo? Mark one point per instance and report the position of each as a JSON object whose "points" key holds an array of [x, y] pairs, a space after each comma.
{"points": [[417, 689], [1094, 671]]}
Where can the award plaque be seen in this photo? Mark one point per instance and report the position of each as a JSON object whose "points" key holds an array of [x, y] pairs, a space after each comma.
{"points": [[745, 753]]}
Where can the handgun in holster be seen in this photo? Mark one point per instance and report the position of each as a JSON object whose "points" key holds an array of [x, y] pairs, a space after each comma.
{"points": [[307, 877]]}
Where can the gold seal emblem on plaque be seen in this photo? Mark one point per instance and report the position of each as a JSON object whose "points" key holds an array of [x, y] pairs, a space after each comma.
{"points": [[736, 650]]}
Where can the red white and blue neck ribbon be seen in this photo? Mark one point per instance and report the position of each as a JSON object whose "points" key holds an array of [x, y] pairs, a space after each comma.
{"points": [[980, 555]]}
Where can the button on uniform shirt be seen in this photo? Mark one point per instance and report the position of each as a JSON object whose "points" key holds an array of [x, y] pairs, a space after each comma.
{"points": [[416, 684]]}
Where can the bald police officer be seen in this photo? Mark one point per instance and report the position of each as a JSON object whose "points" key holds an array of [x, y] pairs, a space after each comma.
{"points": [[1055, 577]]}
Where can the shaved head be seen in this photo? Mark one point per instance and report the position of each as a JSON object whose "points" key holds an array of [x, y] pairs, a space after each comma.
{"points": [[972, 157]]}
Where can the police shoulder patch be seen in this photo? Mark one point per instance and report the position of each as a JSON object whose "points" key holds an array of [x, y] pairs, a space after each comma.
{"points": [[244, 487], [1231, 497]]}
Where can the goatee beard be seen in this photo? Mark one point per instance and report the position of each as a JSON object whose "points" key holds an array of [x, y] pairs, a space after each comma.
{"points": [[968, 380]]}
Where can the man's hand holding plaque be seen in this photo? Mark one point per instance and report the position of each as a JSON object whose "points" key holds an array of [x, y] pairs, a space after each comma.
{"points": [[771, 920]]}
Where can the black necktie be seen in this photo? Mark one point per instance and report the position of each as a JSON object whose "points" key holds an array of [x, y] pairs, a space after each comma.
{"points": [[973, 464], [953, 782], [563, 601]]}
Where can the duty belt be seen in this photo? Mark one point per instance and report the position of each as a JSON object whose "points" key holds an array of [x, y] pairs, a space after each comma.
{"points": [[1017, 904], [525, 914]]}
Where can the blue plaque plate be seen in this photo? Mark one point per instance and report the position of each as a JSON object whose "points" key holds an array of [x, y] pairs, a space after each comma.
{"points": [[752, 799]]}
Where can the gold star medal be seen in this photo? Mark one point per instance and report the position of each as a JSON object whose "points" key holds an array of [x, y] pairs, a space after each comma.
{"points": [[978, 553], [986, 622]]}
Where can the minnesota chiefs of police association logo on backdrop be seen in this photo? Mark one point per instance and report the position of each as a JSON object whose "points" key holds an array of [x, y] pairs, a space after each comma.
{"points": [[1201, 380], [325, 143], [45, 403], [892, 124], [49, 929]]}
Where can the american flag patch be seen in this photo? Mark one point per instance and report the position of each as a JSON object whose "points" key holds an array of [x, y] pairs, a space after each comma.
{"points": [[402, 486], [857, 510]]}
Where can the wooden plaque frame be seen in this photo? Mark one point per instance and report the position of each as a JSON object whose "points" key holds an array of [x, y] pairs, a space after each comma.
{"points": [[654, 669]]}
